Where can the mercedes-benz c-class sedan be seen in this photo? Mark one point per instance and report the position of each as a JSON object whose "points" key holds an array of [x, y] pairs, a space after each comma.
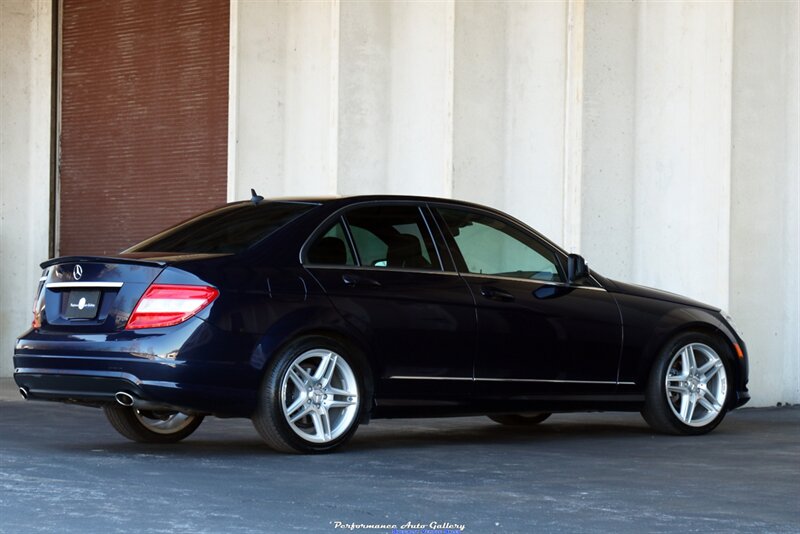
{"points": [[311, 316]]}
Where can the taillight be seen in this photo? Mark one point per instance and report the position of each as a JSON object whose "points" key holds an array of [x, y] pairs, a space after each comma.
{"points": [[168, 305], [38, 302]]}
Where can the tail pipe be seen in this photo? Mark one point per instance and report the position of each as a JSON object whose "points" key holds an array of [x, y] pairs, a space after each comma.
{"points": [[125, 399], [24, 392], [131, 401]]}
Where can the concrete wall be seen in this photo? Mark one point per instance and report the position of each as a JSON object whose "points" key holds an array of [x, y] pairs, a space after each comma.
{"points": [[653, 137], [660, 139], [765, 190], [25, 76]]}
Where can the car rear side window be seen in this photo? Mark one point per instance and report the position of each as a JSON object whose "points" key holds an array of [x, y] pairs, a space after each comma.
{"points": [[395, 237], [229, 229], [331, 248], [493, 247]]}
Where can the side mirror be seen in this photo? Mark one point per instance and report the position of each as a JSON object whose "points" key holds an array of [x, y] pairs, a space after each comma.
{"points": [[576, 268]]}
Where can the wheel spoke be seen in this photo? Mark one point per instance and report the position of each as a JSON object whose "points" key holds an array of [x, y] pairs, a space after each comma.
{"points": [[712, 399], [677, 378], [303, 374], [322, 368], [690, 409], [326, 423], [691, 359], [342, 392], [296, 380], [678, 389], [708, 365], [302, 413], [341, 403], [710, 374], [301, 399], [322, 425], [685, 401], [326, 379], [704, 402]]}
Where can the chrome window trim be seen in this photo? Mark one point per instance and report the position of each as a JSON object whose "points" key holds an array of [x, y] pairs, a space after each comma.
{"points": [[378, 269], [605, 382], [64, 285], [448, 273], [530, 280]]}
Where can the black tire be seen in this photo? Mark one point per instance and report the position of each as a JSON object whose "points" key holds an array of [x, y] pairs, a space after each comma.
{"points": [[278, 388], [133, 424], [520, 419], [664, 413]]}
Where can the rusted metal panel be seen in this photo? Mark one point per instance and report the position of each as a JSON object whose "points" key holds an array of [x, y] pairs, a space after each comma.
{"points": [[144, 114]]}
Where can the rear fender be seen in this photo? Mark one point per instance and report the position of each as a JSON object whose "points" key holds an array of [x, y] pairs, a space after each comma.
{"points": [[319, 320]]}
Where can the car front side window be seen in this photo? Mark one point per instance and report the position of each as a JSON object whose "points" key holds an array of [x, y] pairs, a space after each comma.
{"points": [[490, 246]]}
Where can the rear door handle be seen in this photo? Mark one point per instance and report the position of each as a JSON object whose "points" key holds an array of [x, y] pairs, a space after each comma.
{"points": [[500, 295], [353, 280]]}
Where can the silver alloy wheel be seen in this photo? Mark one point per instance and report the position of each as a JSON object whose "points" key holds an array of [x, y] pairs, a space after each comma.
{"points": [[163, 422], [696, 384], [319, 396]]}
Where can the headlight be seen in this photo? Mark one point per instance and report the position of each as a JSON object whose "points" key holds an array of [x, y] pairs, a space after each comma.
{"points": [[732, 323]]}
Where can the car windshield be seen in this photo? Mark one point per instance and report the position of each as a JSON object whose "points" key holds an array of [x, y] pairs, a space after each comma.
{"points": [[229, 229]]}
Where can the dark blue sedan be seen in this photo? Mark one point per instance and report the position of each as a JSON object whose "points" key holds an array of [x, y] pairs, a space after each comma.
{"points": [[311, 316]]}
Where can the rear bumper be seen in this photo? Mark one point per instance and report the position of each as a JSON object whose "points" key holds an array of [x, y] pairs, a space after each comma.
{"points": [[183, 366]]}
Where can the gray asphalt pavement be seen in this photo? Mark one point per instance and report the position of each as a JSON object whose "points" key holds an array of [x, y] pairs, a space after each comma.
{"points": [[64, 469]]}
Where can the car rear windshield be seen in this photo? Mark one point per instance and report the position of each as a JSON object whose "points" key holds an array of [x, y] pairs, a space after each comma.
{"points": [[229, 229]]}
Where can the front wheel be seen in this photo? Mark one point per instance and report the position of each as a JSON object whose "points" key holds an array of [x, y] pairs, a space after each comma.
{"points": [[688, 387], [310, 399], [146, 426]]}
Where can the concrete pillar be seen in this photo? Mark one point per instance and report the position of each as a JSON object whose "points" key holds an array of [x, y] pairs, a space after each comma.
{"points": [[765, 260], [682, 148], [535, 92], [396, 87], [25, 104], [609, 89], [479, 116], [285, 86], [364, 97], [257, 78], [509, 123]]}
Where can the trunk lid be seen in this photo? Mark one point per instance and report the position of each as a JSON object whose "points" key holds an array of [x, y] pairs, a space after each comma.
{"points": [[86, 294]]}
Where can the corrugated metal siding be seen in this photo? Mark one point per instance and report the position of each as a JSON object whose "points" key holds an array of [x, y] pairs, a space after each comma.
{"points": [[144, 114]]}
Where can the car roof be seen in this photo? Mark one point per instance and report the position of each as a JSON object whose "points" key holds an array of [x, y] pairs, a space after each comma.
{"points": [[354, 199]]}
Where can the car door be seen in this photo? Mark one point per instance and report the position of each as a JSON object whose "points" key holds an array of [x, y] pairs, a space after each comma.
{"points": [[536, 333], [383, 271]]}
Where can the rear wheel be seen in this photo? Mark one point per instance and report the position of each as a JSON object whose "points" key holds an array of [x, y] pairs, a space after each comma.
{"points": [[146, 426], [311, 397], [520, 419], [688, 388]]}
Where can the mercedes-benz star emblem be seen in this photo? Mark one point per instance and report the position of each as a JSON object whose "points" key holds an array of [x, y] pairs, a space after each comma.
{"points": [[77, 272]]}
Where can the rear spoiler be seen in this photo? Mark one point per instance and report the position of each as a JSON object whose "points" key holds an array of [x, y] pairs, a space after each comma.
{"points": [[102, 259]]}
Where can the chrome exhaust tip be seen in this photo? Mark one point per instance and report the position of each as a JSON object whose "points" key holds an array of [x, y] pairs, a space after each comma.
{"points": [[123, 398], [24, 392]]}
